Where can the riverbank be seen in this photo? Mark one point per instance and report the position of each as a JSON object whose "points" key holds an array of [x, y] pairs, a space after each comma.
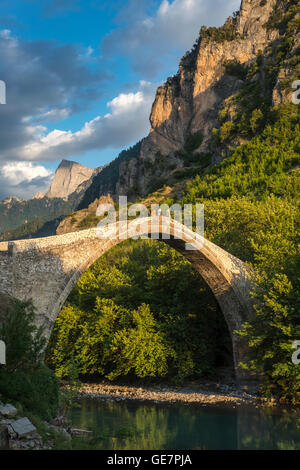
{"points": [[207, 394]]}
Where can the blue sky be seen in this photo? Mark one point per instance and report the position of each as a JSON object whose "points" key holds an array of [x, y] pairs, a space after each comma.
{"points": [[81, 77]]}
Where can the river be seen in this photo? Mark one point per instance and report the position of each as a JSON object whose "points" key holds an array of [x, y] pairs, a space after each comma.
{"points": [[144, 425]]}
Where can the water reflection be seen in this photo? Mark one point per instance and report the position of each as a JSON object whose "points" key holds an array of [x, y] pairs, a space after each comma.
{"points": [[133, 425]]}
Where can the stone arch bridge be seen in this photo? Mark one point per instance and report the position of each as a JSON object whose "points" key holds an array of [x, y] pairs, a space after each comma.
{"points": [[46, 270]]}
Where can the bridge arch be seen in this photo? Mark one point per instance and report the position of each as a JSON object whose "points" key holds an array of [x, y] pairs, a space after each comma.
{"points": [[46, 270]]}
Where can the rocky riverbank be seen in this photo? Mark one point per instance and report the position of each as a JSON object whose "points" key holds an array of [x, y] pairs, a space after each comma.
{"points": [[205, 394], [17, 432]]}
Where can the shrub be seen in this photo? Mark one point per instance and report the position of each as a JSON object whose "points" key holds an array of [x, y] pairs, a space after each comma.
{"points": [[193, 141], [226, 131], [235, 68], [26, 379], [37, 390]]}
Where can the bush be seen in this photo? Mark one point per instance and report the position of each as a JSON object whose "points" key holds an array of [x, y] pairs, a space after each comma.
{"points": [[227, 32], [37, 390], [26, 379], [193, 141], [236, 69]]}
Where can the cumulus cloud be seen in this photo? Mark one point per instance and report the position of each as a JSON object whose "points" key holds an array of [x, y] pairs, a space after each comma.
{"points": [[126, 122], [45, 81], [23, 179], [150, 42]]}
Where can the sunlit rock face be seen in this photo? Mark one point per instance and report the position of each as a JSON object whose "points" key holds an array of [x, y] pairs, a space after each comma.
{"points": [[68, 176]]}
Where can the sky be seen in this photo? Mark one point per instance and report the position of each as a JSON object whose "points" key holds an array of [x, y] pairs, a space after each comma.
{"points": [[81, 77]]}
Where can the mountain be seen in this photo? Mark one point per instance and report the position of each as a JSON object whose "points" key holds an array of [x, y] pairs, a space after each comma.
{"points": [[186, 107], [68, 176], [14, 212], [40, 215], [189, 107], [105, 181]]}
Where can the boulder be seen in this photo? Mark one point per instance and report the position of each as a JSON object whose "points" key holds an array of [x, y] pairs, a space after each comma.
{"points": [[23, 427], [8, 411]]}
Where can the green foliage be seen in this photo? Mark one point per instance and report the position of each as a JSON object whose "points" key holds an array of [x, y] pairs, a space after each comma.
{"points": [[256, 120], [140, 311], [24, 342], [227, 32], [252, 210], [157, 183], [193, 141], [91, 220], [262, 166], [37, 211], [25, 379], [283, 17], [272, 333], [226, 131], [186, 173], [235, 68], [37, 390], [23, 230], [199, 159]]}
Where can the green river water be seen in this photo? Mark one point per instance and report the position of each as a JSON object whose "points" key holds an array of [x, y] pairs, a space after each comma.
{"points": [[129, 425]]}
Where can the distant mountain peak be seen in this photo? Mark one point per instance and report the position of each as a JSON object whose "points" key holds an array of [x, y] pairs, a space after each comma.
{"points": [[10, 199], [39, 195], [68, 176]]}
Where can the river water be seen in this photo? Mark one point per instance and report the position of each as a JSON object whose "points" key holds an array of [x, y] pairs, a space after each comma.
{"points": [[129, 425]]}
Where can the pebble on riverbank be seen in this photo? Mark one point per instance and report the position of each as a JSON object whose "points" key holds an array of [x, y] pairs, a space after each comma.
{"points": [[157, 394]]}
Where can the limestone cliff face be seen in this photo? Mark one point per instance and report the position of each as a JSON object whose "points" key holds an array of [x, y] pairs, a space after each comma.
{"points": [[68, 177], [189, 101]]}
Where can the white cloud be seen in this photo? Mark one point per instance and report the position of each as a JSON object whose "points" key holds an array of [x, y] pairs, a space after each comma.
{"points": [[46, 81], [17, 172], [55, 114], [127, 121], [23, 179]]}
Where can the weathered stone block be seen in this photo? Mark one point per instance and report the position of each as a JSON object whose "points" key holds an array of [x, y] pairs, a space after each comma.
{"points": [[23, 427]]}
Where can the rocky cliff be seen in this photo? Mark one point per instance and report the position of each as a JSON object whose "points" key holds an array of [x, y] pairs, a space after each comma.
{"points": [[68, 176], [189, 102]]}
